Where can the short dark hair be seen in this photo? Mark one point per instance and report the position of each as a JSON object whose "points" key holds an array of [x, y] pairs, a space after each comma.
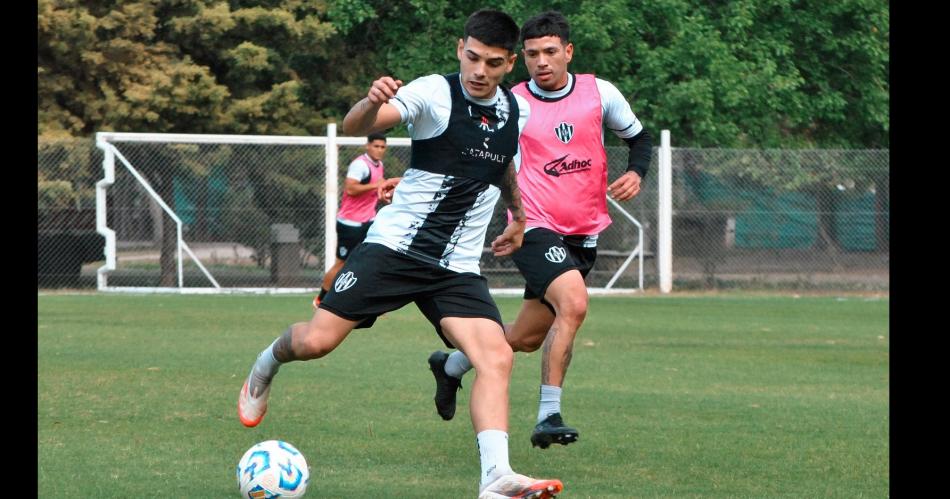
{"points": [[375, 136], [493, 28], [550, 23]]}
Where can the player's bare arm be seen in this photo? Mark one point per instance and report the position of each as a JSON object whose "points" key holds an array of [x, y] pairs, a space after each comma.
{"points": [[353, 187], [374, 113], [510, 240], [625, 187]]}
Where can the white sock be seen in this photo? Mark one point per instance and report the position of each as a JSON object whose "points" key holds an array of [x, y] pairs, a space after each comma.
{"points": [[493, 451], [550, 401], [457, 364], [265, 367]]}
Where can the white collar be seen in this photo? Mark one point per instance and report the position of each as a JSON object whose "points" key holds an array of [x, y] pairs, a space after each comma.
{"points": [[552, 94], [482, 102]]}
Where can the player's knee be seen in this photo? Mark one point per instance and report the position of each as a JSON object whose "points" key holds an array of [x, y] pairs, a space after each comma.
{"points": [[573, 310], [526, 343], [312, 346], [498, 361]]}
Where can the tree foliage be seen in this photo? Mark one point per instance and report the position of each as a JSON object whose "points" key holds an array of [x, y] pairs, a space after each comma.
{"points": [[727, 73], [197, 66], [755, 74]]}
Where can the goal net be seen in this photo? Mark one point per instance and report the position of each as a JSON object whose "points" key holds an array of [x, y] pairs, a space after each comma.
{"points": [[193, 213]]}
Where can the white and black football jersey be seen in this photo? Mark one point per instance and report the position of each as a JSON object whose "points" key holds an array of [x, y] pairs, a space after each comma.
{"points": [[437, 217]]}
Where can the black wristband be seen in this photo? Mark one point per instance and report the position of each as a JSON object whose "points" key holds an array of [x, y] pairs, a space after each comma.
{"points": [[641, 149]]}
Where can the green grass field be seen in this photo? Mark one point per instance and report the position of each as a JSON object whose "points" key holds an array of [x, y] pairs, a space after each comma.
{"points": [[674, 396]]}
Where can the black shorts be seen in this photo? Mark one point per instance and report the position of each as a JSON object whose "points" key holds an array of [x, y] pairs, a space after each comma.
{"points": [[544, 255], [376, 280], [349, 237]]}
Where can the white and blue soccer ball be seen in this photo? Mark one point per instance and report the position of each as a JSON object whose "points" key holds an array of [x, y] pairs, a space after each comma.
{"points": [[271, 469]]}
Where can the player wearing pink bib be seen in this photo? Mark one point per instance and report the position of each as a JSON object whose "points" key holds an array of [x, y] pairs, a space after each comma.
{"points": [[358, 206], [563, 161], [364, 175], [563, 180]]}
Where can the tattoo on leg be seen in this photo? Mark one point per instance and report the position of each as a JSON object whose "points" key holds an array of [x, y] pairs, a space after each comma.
{"points": [[564, 361], [546, 354], [283, 350]]}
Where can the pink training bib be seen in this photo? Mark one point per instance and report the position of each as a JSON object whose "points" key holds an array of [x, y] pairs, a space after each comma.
{"points": [[362, 208], [563, 173]]}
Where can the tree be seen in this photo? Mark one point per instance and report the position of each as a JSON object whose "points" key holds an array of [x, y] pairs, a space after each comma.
{"points": [[738, 73], [729, 73], [174, 66], [724, 73]]}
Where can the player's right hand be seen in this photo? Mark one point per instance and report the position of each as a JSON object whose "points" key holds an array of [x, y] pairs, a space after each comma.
{"points": [[382, 90], [510, 240], [386, 189], [625, 187]]}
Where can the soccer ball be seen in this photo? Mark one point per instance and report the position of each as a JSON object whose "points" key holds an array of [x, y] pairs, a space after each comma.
{"points": [[273, 468]]}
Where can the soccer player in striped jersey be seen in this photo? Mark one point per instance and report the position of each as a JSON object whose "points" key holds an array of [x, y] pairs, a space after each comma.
{"points": [[424, 247], [562, 174]]}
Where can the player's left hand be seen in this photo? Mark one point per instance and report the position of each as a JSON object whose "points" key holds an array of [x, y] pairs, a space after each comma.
{"points": [[625, 187], [510, 240]]}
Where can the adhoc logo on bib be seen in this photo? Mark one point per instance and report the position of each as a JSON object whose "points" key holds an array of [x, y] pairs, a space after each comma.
{"points": [[561, 166]]}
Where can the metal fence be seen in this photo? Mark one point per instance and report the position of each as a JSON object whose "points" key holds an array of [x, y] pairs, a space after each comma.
{"points": [[67, 171], [742, 218], [781, 218]]}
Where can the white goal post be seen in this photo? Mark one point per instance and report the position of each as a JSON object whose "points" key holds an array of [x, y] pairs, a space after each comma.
{"points": [[184, 161]]}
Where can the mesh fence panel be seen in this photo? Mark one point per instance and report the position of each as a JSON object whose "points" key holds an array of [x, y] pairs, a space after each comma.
{"points": [[228, 197], [746, 218], [67, 171], [781, 218]]}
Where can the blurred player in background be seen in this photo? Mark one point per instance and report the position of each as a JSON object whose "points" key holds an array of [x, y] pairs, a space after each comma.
{"points": [[358, 206]]}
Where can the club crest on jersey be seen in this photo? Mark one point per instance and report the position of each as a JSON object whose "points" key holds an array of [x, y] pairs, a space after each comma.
{"points": [[556, 254], [485, 125], [564, 131], [484, 120], [344, 282]]}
